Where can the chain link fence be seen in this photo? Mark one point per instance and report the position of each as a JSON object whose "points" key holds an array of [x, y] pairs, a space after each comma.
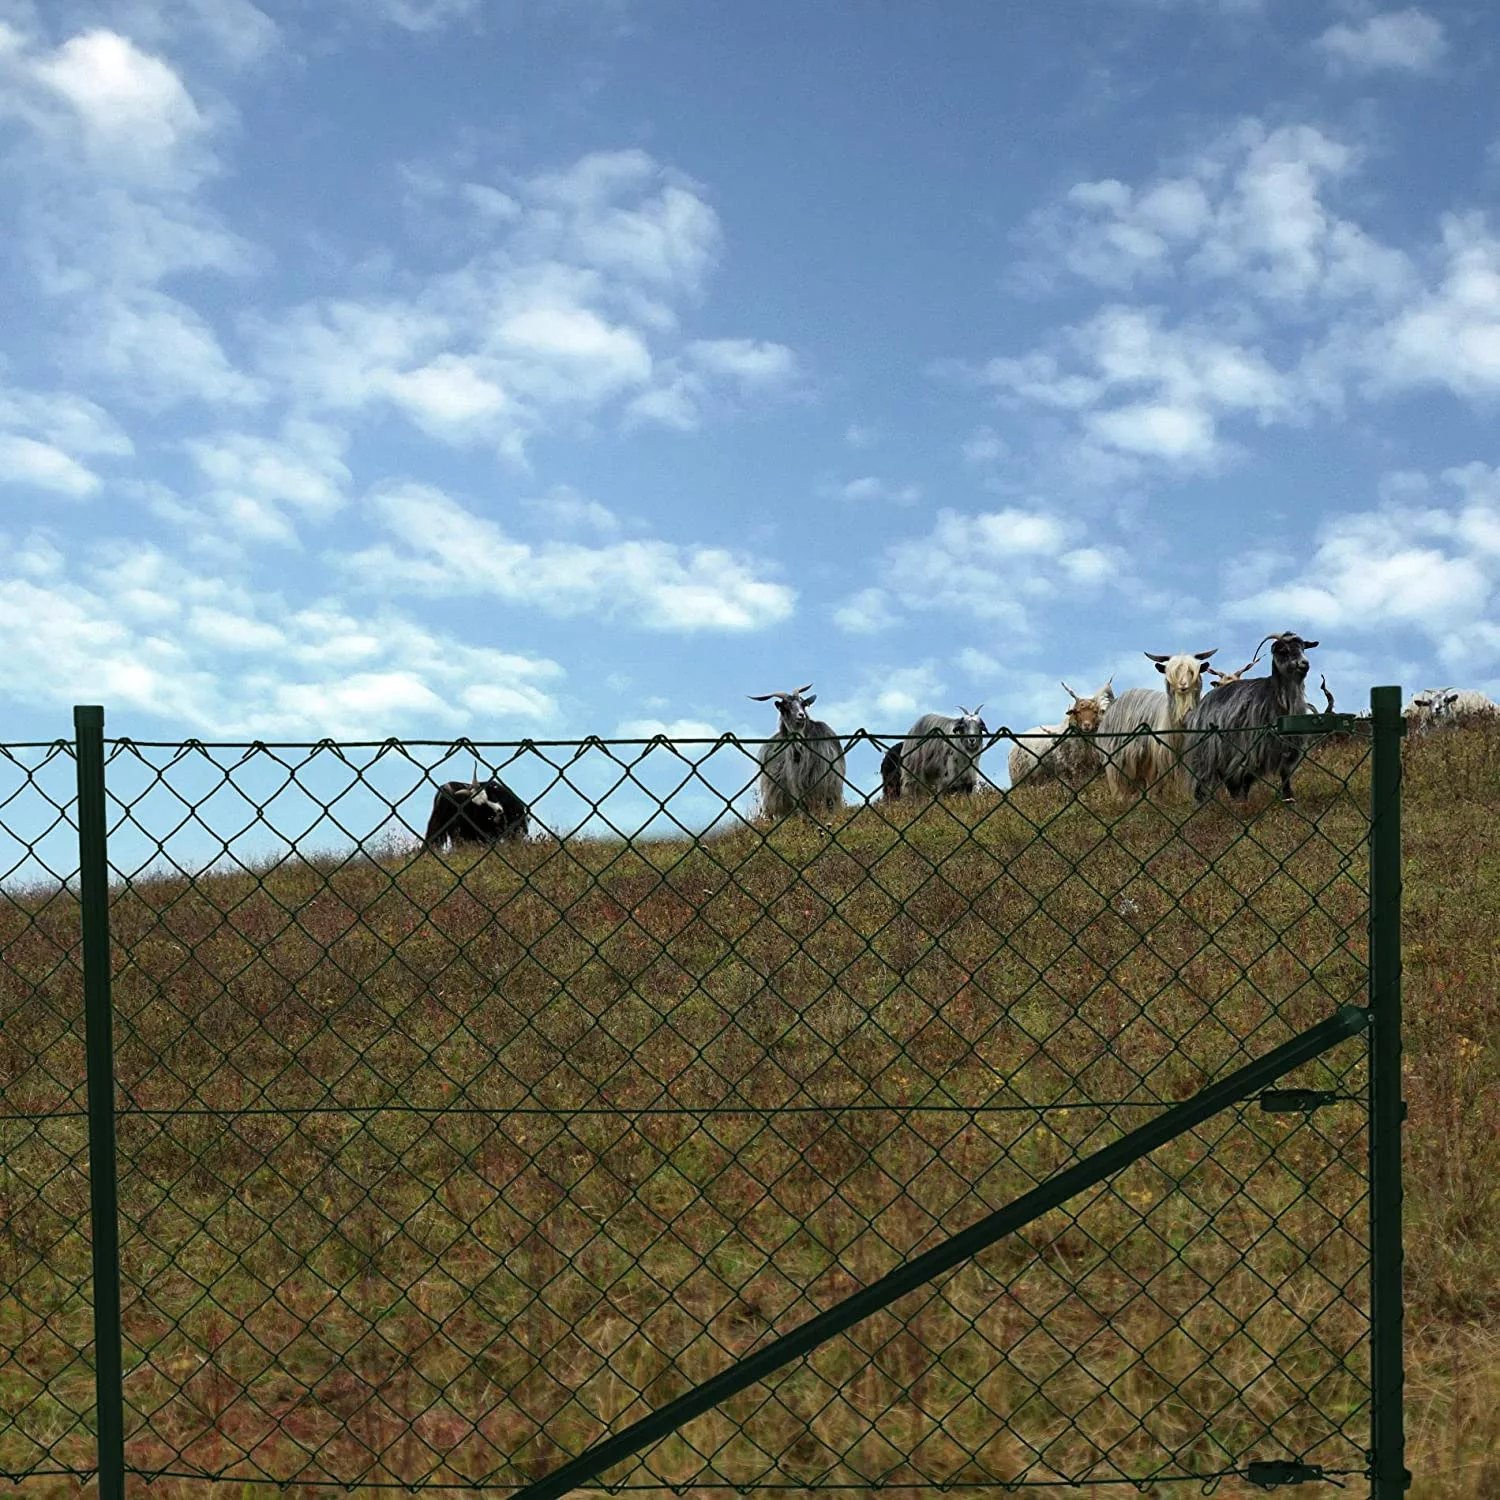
{"points": [[435, 1167]]}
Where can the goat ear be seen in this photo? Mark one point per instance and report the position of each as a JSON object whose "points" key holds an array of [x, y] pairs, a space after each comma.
{"points": [[1204, 655], [1161, 666], [808, 699], [1308, 645]]}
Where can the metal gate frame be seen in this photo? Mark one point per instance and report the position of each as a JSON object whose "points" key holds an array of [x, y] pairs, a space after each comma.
{"points": [[1381, 1018]]}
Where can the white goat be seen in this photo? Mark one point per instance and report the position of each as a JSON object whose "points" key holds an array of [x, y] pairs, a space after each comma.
{"points": [[941, 754], [1062, 752], [1140, 736]]}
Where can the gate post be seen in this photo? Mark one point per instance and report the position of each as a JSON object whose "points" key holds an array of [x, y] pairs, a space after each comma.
{"points": [[104, 1222], [1387, 1108]]}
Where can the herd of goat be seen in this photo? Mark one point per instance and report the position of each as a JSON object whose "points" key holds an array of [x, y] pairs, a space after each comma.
{"points": [[1140, 739]]}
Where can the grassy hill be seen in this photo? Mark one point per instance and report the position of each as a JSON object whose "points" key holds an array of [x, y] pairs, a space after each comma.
{"points": [[430, 1166]]}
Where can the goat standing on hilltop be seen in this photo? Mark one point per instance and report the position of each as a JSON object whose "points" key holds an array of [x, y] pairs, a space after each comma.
{"points": [[1446, 708], [941, 754], [1242, 745], [1062, 752], [1139, 737], [802, 764], [475, 812]]}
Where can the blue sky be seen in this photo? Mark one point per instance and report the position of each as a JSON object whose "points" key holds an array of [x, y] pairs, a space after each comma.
{"points": [[561, 367]]}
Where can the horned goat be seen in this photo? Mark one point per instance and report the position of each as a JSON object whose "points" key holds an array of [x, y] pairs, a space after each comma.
{"points": [[1240, 745], [475, 812], [1139, 737], [941, 754], [1062, 752], [1447, 708], [802, 764]]}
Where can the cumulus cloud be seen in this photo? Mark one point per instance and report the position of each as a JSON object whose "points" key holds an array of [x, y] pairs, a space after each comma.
{"points": [[1425, 560], [1449, 333], [139, 630], [1140, 390], [1408, 41], [442, 548], [569, 313], [113, 151], [866, 613], [1252, 210], [994, 566]]}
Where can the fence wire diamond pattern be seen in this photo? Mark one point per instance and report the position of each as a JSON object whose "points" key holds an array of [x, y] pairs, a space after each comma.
{"points": [[437, 1167]]}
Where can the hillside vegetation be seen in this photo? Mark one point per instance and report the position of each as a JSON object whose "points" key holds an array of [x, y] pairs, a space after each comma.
{"points": [[439, 1168]]}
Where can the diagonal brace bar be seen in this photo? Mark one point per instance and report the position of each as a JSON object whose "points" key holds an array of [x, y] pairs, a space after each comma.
{"points": [[1347, 1021]]}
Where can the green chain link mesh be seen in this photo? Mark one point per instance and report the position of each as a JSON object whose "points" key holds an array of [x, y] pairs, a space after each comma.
{"points": [[436, 1168]]}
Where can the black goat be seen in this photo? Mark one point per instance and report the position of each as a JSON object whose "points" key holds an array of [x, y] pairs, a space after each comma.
{"points": [[1242, 746], [890, 773], [475, 812]]}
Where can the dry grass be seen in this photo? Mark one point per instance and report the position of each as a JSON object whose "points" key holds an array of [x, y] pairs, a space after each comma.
{"points": [[438, 1170]]}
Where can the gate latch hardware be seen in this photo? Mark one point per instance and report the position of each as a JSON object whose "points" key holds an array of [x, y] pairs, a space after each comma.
{"points": [[1290, 1101], [1268, 1473]]}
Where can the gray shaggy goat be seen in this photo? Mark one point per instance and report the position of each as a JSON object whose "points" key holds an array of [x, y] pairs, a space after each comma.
{"points": [[941, 754], [1240, 745], [802, 764]]}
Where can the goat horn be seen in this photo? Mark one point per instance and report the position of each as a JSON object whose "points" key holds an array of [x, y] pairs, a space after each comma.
{"points": [[800, 690], [1069, 691], [1326, 693], [762, 697]]}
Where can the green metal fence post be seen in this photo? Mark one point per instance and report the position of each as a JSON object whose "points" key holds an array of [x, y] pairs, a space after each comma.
{"points": [[1387, 1109], [93, 866]]}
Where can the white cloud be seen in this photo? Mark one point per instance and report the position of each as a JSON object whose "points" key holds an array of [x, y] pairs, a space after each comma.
{"points": [[26, 461], [1425, 560], [995, 566], [420, 15], [866, 613], [983, 447], [113, 152], [136, 115], [1250, 210], [140, 631], [257, 487], [860, 435], [567, 315], [444, 549], [869, 488], [1449, 334], [749, 363], [673, 729], [1147, 391], [1407, 40], [566, 510]]}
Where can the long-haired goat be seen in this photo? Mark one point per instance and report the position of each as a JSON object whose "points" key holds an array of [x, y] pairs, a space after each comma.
{"points": [[941, 754], [1448, 708], [475, 812], [1062, 752], [802, 764], [1139, 737], [1240, 745]]}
